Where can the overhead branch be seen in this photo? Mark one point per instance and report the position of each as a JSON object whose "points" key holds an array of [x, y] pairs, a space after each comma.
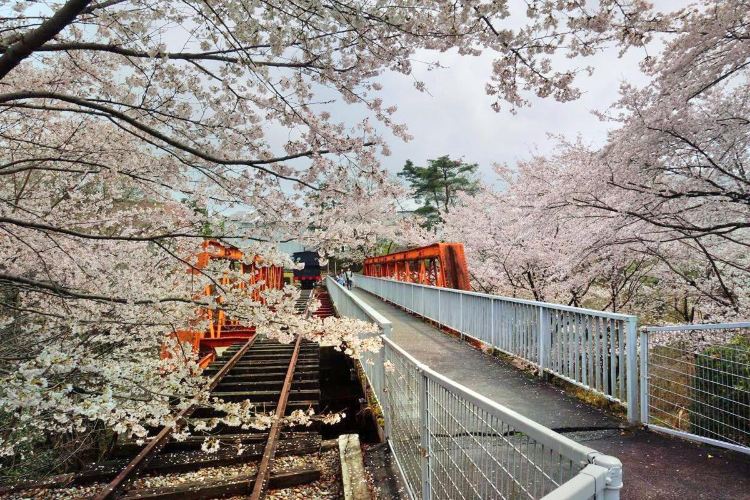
{"points": [[171, 141], [74, 294], [186, 56], [148, 238], [31, 41]]}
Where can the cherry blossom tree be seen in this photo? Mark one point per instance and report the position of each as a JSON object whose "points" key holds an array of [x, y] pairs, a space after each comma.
{"points": [[518, 243], [542, 238], [129, 128], [679, 160], [658, 220]]}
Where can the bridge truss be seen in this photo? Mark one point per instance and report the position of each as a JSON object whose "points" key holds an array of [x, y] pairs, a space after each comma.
{"points": [[440, 264]]}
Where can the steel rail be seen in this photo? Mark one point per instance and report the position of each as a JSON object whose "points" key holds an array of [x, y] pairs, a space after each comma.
{"points": [[264, 468], [158, 442]]}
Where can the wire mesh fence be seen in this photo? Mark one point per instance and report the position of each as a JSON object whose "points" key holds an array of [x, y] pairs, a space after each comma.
{"points": [[451, 443], [696, 382], [371, 363], [402, 410], [475, 453]]}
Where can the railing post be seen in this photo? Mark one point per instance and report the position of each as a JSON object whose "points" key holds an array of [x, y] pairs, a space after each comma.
{"points": [[543, 338], [492, 324], [461, 315], [632, 369], [383, 393], [424, 436], [613, 483], [644, 377], [438, 316], [387, 329]]}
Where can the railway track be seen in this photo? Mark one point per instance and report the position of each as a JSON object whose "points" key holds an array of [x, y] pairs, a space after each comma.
{"points": [[276, 379]]}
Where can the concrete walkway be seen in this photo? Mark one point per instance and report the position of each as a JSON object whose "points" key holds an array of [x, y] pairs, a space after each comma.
{"points": [[655, 466]]}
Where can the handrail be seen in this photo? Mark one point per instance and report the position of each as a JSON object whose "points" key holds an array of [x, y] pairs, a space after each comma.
{"points": [[692, 327], [550, 305], [541, 434], [596, 350], [593, 475], [371, 314], [347, 304]]}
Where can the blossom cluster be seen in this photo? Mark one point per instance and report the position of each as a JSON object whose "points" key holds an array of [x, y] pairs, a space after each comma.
{"points": [[654, 222]]}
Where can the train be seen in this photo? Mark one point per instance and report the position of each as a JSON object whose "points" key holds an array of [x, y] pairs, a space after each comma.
{"points": [[311, 273]]}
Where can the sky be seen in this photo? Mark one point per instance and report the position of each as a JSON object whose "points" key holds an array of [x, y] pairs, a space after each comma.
{"points": [[454, 116]]}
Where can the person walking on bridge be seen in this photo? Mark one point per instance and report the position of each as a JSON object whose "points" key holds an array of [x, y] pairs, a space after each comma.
{"points": [[349, 276]]}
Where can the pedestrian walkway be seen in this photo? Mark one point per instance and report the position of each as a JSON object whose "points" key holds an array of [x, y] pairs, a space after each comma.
{"points": [[655, 466]]}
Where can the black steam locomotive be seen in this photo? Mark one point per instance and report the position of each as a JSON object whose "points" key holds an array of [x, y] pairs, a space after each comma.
{"points": [[310, 274]]}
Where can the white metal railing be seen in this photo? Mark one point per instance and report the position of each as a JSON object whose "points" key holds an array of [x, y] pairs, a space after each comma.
{"points": [[450, 442], [593, 349], [695, 382], [346, 305]]}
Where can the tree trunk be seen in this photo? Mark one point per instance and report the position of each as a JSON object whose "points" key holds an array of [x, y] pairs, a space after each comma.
{"points": [[31, 41]]}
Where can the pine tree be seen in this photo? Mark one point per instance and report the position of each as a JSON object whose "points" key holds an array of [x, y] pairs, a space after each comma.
{"points": [[436, 186]]}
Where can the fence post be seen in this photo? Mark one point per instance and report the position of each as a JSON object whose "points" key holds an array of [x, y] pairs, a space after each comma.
{"points": [[644, 377], [492, 324], [632, 369], [613, 483], [424, 431], [542, 341], [438, 316], [461, 315], [383, 393]]}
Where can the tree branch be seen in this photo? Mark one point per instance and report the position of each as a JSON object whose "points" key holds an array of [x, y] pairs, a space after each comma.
{"points": [[186, 56], [119, 115], [29, 42], [69, 293], [89, 236]]}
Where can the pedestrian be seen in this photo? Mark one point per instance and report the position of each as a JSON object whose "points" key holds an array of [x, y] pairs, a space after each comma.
{"points": [[349, 276]]}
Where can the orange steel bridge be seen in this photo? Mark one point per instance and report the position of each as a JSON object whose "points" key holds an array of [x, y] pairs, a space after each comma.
{"points": [[222, 330], [440, 264]]}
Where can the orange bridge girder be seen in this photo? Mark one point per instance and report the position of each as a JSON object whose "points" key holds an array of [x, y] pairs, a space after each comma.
{"points": [[439, 264], [223, 330]]}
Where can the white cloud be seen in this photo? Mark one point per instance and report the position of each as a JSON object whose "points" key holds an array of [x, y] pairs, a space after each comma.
{"points": [[455, 118]]}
